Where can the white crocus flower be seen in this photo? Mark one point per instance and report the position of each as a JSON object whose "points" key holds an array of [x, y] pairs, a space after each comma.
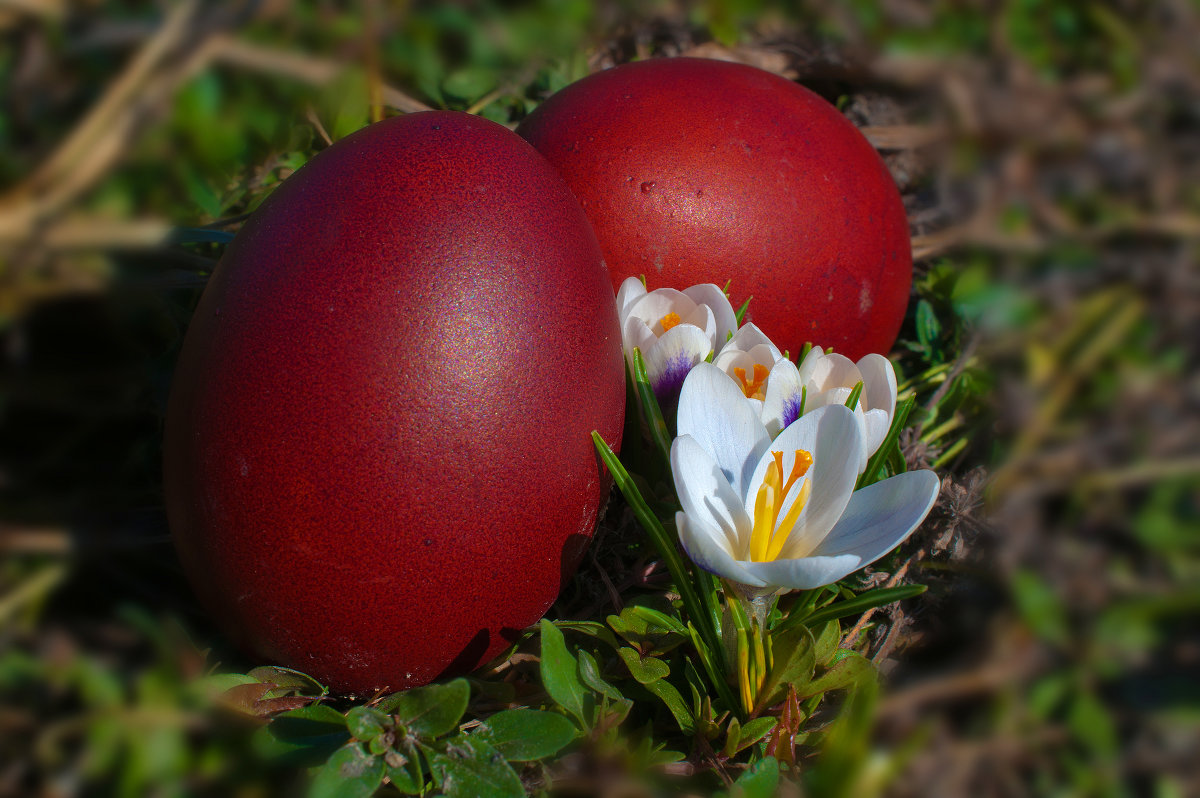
{"points": [[674, 329], [829, 380], [782, 514], [748, 358]]}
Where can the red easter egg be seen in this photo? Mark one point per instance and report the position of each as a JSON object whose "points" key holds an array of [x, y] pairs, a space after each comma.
{"points": [[698, 171], [378, 462]]}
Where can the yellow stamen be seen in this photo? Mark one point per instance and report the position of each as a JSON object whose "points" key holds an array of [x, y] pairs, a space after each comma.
{"points": [[766, 510], [789, 521], [767, 536], [753, 388], [670, 320]]}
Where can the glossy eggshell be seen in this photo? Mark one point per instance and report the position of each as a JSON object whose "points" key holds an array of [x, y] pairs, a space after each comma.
{"points": [[696, 171], [378, 462]]}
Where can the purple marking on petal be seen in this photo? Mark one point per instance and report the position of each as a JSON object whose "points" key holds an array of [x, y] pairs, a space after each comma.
{"points": [[669, 384], [791, 409], [670, 381]]}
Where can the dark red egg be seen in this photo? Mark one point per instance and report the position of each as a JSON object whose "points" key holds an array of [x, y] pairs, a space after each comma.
{"points": [[378, 460], [698, 171]]}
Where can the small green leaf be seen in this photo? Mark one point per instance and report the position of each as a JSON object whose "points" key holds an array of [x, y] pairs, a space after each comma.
{"points": [[755, 730], [733, 733], [740, 313], [855, 393], [872, 473], [827, 641], [844, 673], [523, 735], [646, 670], [432, 711], [302, 737], [404, 770], [760, 780], [589, 674], [366, 723], [350, 773], [794, 653], [651, 410], [470, 768], [670, 696], [928, 326], [282, 677], [560, 672]]}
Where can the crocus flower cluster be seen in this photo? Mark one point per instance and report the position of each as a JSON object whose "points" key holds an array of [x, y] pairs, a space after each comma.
{"points": [[767, 454]]}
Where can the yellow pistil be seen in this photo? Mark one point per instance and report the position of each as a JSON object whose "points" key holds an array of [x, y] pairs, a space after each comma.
{"points": [[753, 387], [768, 535], [670, 320]]}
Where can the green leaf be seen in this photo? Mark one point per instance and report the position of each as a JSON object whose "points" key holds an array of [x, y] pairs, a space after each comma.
{"points": [[366, 723], [646, 670], [524, 735], [733, 733], [874, 468], [860, 604], [855, 393], [470, 83], [692, 604], [827, 641], [794, 654], [589, 674], [844, 673], [560, 673], [592, 629], [293, 680], [404, 771], [755, 730], [432, 711], [760, 780], [740, 313], [471, 768], [928, 326], [1040, 608], [350, 773], [669, 695], [303, 737], [659, 433]]}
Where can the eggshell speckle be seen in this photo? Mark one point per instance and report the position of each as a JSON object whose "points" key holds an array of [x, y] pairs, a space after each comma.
{"points": [[378, 463], [695, 171]]}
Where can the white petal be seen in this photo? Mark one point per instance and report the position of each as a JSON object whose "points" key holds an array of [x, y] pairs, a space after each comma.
{"points": [[879, 384], [631, 290], [714, 411], [835, 371], [658, 303], [750, 336], [811, 364], [880, 516], [833, 438], [706, 495], [635, 333], [806, 572], [705, 550], [702, 317], [781, 400], [877, 424], [714, 297], [669, 360]]}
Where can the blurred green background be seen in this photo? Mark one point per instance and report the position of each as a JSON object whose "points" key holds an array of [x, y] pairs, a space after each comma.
{"points": [[1049, 158]]}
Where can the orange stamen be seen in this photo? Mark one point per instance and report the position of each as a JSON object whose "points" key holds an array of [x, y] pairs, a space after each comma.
{"points": [[752, 387], [670, 320]]}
